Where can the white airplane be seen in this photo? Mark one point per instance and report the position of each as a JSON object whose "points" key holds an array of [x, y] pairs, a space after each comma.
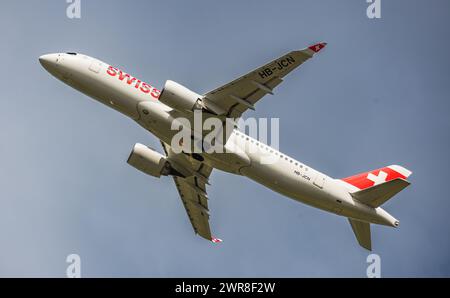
{"points": [[358, 197]]}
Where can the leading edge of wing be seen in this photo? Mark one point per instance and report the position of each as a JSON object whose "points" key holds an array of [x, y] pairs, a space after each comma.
{"points": [[192, 191], [235, 97]]}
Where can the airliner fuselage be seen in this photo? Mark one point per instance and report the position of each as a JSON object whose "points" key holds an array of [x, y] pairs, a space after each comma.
{"points": [[243, 155]]}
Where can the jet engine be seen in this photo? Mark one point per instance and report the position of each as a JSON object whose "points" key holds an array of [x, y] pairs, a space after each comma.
{"points": [[149, 161], [179, 97]]}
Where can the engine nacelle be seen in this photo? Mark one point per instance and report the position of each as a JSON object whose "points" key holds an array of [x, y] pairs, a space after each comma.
{"points": [[179, 97], [149, 161]]}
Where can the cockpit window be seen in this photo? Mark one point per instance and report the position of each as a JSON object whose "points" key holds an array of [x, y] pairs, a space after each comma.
{"points": [[71, 53]]}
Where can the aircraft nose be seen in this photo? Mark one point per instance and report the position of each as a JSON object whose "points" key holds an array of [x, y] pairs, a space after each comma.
{"points": [[49, 61]]}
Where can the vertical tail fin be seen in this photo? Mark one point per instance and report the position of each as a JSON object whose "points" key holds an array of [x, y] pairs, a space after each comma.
{"points": [[373, 188], [376, 187], [368, 179]]}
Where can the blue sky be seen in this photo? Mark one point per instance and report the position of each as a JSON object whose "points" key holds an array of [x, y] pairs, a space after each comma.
{"points": [[377, 95]]}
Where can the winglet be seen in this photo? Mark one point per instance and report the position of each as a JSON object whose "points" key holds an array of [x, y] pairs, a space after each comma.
{"points": [[317, 47], [216, 240]]}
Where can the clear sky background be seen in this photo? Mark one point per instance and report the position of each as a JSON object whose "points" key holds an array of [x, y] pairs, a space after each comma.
{"points": [[377, 95]]}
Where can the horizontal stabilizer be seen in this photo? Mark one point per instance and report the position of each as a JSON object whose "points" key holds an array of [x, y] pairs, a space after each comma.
{"points": [[376, 195], [362, 233]]}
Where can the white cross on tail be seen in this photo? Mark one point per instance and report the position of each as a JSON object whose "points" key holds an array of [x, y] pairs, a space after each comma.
{"points": [[377, 179]]}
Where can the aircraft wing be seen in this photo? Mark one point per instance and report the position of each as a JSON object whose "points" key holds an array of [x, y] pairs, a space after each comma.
{"points": [[192, 190], [236, 97]]}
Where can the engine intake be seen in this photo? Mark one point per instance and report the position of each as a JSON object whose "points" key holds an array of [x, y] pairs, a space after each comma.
{"points": [[149, 161], [179, 97]]}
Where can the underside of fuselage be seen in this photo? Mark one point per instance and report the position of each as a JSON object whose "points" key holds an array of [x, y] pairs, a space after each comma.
{"points": [[162, 113]]}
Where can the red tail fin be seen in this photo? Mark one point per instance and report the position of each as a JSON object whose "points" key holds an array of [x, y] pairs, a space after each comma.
{"points": [[375, 177]]}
